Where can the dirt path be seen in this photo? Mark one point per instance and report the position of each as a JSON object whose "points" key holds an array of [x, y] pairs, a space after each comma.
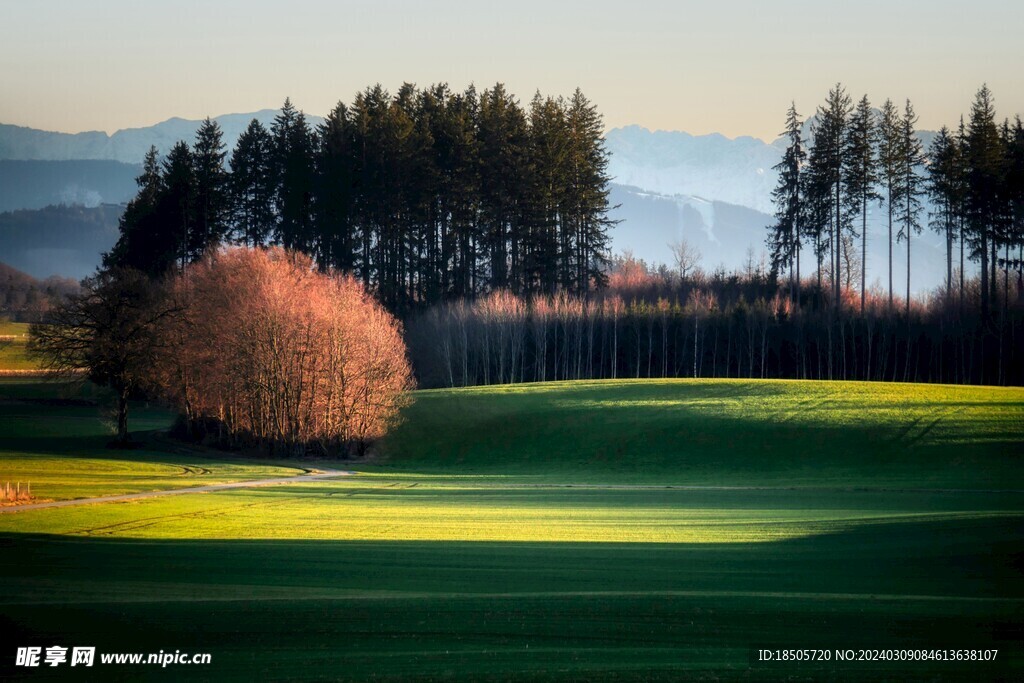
{"points": [[322, 474]]}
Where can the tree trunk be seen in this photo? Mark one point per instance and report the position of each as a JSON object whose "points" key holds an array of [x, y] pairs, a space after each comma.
{"points": [[984, 274], [961, 268], [949, 262], [797, 301], [839, 239], [863, 253], [122, 416], [889, 206], [909, 231]]}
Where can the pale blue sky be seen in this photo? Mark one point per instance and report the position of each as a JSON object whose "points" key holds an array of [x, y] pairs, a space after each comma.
{"points": [[725, 66]]}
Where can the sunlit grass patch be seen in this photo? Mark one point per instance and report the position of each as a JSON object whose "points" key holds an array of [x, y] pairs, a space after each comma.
{"points": [[720, 432], [13, 348], [357, 508]]}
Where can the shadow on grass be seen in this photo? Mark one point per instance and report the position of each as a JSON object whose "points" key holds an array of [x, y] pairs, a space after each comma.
{"points": [[299, 609]]}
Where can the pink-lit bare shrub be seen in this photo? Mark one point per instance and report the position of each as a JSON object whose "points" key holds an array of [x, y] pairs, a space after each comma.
{"points": [[271, 351]]}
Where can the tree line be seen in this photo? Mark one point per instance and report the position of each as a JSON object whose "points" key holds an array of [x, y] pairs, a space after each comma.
{"points": [[483, 225], [655, 323], [857, 156], [427, 195], [23, 298]]}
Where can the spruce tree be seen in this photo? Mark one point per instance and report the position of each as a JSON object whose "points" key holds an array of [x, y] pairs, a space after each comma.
{"points": [[943, 186], [293, 179], [419, 195], [252, 186], [784, 237], [584, 216], [1005, 232], [366, 112], [463, 117], [984, 157], [146, 242], [829, 157], [816, 207], [910, 187], [212, 190], [405, 152], [433, 180], [334, 190], [889, 136], [548, 153], [861, 177], [177, 206], [502, 141], [1014, 183]]}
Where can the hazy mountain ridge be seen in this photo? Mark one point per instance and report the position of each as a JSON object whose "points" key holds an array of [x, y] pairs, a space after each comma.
{"points": [[649, 222], [732, 170], [724, 233], [710, 166], [128, 145]]}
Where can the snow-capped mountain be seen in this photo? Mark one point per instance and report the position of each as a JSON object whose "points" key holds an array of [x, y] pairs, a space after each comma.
{"points": [[715, 193], [727, 235], [713, 167]]}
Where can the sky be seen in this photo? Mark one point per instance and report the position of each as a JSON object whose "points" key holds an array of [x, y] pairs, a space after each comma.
{"points": [[726, 66]]}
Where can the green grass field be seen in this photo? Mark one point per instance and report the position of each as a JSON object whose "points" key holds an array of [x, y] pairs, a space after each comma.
{"points": [[720, 432], [13, 340], [52, 437], [586, 531]]}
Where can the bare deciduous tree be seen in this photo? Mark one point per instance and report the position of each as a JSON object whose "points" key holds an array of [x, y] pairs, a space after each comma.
{"points": [[105, 333], [271, 350], [685, 258]]}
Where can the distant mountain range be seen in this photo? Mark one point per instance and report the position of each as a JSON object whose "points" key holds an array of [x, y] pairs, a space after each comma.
{"points": [[715, 193], [725, 234], [711, 167], [710, 190], [128, 145]]}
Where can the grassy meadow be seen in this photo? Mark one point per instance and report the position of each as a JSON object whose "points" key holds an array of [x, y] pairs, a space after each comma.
{"points": [[574, 531], [54, 436], [719, 432], [13, 355]]}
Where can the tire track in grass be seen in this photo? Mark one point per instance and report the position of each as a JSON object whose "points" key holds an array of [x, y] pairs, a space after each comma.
{"points": [[134, 524], [144, 495]]}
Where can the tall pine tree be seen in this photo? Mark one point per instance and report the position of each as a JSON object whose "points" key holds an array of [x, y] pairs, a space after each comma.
{"points": [[828, 156], [503, 177], [147, 241], [178, 201], [984, 157], [212, 190], [944, 189], [293, 179], [861, 177], [584, 216], [889, 135], [784, 237], [910, 185], [252, 186]]}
